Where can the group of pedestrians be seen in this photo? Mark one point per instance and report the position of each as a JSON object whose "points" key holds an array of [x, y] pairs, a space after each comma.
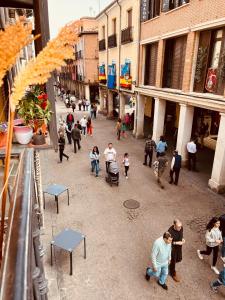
{"points": [[167, 252], [123, 125], [161, 163]]}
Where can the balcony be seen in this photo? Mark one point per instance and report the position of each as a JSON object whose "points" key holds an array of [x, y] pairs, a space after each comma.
{"points": [[22, 270], [112, 41], [102, 45], [79, 77], [127, 35]]}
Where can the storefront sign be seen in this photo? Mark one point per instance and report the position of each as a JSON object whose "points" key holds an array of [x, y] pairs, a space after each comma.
{"points": [[125, 77], [111, 83], [144, 10], [101, 75], [211, 80]]}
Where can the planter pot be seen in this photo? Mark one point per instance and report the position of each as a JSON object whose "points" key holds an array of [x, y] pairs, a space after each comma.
{"points": [[3, 139], [23, 134], [38, 139]]}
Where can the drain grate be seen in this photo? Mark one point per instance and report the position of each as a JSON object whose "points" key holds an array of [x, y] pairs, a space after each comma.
{"points": [[131, 204]]}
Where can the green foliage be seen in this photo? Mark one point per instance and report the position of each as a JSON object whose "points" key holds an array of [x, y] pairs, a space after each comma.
{"points": [[34, 106]]}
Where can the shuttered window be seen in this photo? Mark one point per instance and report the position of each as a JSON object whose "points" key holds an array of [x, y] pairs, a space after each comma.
{"points": [[210, 65], [174, 62], [151, 64]]}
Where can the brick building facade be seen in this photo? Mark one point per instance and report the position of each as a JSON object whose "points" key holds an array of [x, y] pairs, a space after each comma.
{"points": [[181, 75]]}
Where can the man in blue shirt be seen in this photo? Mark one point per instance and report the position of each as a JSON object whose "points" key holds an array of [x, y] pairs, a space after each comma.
{"points": [[161, 256]]}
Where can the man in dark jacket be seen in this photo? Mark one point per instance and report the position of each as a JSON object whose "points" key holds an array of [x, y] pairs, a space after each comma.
{"points": [[150, 146], [176, 231], [61, 143], [76, 136], [175, 167], [222, 228]]}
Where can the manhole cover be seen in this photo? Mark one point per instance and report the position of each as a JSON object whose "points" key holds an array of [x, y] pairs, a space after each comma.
{"points": [[131, 204]]}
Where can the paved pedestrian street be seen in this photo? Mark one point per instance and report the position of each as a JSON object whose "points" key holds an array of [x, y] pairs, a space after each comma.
{"points": [[119, 240]]}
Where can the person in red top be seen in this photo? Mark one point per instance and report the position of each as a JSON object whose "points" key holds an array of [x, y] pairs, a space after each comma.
{"points": [[69, 119]]}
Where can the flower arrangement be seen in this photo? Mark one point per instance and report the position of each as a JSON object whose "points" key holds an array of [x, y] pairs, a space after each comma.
{"points": [[3, 127], [34, 106]]}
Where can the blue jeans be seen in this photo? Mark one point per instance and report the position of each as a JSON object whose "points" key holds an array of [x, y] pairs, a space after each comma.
{"points": [[161, 273], [223, 248], [95, 166]]}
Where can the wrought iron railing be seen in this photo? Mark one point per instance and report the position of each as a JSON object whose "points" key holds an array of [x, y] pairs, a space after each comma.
{"points": [[112, 41], [127, 35], [22, 273], [102, 45]]}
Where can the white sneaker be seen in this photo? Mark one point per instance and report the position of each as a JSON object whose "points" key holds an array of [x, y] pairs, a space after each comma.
{"points": [[223, 259], [126, 177], [215, 270], [199, 255]]}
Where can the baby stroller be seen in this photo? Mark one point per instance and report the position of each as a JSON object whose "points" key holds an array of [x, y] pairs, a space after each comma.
{"points": [[113, 174]]}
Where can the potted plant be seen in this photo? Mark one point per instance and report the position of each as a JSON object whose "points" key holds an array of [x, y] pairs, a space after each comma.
{"points": [[34, 109], [3, 133]]}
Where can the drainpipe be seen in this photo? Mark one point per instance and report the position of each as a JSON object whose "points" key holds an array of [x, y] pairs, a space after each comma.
{"points": [[107, 56], [138, 65], [119, 38]]}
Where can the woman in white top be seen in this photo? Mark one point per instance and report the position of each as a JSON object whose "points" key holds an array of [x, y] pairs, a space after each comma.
{"points": [[213, 240], [126, 164]]}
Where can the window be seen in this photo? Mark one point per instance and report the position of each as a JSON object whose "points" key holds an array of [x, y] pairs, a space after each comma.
{"points": [[171, 4], [210, 65], [149, 9], [129, 18], [173, 70], [114, 26], [150, 64]]}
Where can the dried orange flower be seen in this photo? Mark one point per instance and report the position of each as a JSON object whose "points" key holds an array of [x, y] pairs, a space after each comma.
{"points": [[51, 58], [12, 40]]}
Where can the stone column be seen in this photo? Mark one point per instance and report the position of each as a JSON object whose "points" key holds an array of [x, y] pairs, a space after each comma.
{"points": [[122, 106], [159, 118], [140, 110], [184, 129], [110, 105], [87, 92], [217, 181], [101, 100]]}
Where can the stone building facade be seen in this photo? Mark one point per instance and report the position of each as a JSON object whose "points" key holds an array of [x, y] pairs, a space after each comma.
{"points": [[118, 55]]}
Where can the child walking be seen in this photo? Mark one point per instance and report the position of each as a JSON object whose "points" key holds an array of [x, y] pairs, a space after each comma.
{"points": [[126, 164]]}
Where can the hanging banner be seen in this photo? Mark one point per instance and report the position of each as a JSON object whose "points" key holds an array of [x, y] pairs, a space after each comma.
{"points": [[111, 83], [101, 75], [125, 77], [211, 80], [144, 10]]}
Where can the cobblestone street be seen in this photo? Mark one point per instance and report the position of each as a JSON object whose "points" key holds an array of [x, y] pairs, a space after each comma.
{"points": [[119, 240]]}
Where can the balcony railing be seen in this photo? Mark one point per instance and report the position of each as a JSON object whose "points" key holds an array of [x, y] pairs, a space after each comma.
{"points": [[102, 45], [127, 35], [22, 274], [112, 41]]}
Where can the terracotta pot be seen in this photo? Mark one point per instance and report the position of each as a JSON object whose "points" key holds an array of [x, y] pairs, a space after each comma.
{"points": [[3, 139], [23, 134], [38, 139]]}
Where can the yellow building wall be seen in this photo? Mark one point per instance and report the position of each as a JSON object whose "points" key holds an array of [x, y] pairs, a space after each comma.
{"points": [[148, 107]]}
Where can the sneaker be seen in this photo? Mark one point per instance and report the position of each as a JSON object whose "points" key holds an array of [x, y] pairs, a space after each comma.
{"points": [[126, 177], [164, 286], [199, 255], [213, 288], [144, 164], [223, 259], [96, 175], [147, 277], [215, 270]]}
